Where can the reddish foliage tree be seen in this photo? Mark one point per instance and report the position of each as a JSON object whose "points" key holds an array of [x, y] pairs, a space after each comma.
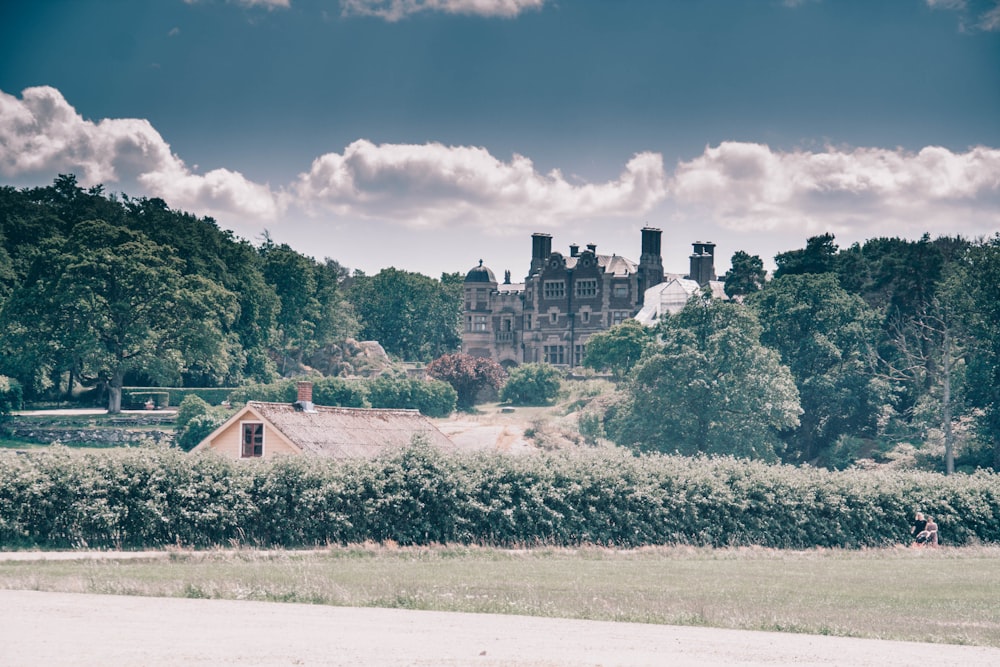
{"points": [[468, 375]]}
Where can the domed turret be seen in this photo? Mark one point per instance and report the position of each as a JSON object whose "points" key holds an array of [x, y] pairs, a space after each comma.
{"points": [[480, 274]]}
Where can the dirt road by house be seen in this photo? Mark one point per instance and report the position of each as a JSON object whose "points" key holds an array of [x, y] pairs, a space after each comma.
{"points": [[53, 629]]}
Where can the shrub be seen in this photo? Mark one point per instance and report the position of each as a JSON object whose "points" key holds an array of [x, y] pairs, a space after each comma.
{"points": [[531, 384], [191, 406], [468, 375], [433, 398], [133, 498], [197, 429]]}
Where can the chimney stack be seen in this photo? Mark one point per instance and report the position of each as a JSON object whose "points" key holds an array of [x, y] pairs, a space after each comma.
{"points": [[305, 397], [650, 262], [574, 250], [592, 247], [541, 248], [703, 263]]}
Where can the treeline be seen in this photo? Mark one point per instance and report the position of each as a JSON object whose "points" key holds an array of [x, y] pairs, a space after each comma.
{"points": [[102, 291], [886, 350], [148, 498]]}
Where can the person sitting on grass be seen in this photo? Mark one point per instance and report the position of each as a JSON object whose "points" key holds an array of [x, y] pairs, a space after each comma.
{"points": [[919, 524], [929, 535]]}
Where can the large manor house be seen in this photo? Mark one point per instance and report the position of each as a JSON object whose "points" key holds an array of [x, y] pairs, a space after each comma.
{"points": [[565, 299]]}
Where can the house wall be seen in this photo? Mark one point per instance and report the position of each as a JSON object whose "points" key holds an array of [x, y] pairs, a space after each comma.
{"points": [[229, 442]]}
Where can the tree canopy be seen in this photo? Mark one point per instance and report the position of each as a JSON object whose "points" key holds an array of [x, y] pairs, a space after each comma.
{"points": [[708, 387]]}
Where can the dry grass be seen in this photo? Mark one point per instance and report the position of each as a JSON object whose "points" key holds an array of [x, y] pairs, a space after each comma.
{"points": [[943, 595]]}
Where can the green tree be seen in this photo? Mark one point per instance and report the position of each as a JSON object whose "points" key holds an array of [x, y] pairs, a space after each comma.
{"points": [[746, 276], [618, 349], [111, 301], [819, 256], [532, 384], [414, 317], [823, 335], [467, 375], [709, 387], [982, 316]]}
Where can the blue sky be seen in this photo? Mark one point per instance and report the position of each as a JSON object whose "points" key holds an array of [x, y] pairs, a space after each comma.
{"points": [[427, 134]]}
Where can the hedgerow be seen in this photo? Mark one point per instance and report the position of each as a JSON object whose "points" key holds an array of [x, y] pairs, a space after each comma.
{"points": [[150, 497]]}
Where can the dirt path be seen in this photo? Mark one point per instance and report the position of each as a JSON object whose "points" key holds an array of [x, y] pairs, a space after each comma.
{"points": [[53, 629]]}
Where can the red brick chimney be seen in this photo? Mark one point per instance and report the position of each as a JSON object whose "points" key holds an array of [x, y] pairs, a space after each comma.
{"points": [[305, 391]]}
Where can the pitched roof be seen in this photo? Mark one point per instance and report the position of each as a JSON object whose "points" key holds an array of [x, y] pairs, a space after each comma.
{"points": [[349, 432], [613, 264]]}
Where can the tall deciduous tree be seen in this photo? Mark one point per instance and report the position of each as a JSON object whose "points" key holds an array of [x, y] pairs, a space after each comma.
{"points": [[411, 315], [822, 334], [112, 301], [983, 321], [711, 387]]}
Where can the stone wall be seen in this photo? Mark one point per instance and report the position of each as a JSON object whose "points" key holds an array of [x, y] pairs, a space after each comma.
{"points": [[73, 435]]}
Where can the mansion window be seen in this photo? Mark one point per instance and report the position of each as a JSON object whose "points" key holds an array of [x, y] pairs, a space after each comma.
{"points": [[578, 352], [527, 322], [553, 318], [253, 440], [618, 316], [554, 289], [555, 354], [585, 316], [479, 323], [586, 288], [621, 291]]}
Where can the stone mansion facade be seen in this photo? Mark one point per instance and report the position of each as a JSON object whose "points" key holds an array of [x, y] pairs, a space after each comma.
{"points": [[567, 298]]}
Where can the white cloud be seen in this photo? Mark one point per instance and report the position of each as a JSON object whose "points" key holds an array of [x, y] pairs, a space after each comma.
{"points": [[394, 10], [977, 15], [860, 192], [41, 135], [856, 193], [432, 185]]}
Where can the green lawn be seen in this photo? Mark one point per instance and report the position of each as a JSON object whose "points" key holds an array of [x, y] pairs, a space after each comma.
{"points": [[943, 595]]}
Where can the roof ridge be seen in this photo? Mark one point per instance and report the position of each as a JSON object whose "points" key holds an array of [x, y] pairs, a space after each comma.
{"points": [[338, 407]]}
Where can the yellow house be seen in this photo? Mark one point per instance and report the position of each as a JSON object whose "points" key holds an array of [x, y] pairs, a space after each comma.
{"points": [[266, 430]]}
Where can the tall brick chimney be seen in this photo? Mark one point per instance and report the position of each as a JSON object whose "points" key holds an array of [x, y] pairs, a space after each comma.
{"points": [[304, 401], [541, 248], [650, 261]]}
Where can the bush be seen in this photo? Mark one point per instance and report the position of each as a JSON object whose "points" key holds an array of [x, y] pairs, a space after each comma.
{"points": [[468, 375], [192, 406], [197, 429], [532, 384], [433, 398], [146, 498]]}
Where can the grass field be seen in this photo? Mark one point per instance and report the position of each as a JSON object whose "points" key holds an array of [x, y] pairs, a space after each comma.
{"points": [[942, 595]]}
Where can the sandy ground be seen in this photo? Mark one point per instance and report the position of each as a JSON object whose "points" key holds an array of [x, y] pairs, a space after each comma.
{"points": [[52, 629]]}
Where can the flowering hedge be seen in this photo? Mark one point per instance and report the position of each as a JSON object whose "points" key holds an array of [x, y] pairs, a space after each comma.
{"points": [[149, 497]]}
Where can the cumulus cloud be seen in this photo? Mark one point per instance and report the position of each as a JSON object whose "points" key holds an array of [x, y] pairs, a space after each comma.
{"points": [[861, 191], [41, 135], [394, 10], [432, 185]]}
